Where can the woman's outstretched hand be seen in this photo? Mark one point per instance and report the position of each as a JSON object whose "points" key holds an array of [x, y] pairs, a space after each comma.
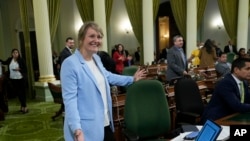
{"points": [[140, 74]]}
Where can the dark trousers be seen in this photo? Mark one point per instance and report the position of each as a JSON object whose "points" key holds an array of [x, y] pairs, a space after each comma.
{"points": [[19, 89], [108, 134]]}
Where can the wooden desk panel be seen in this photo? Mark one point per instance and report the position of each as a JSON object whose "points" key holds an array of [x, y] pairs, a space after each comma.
{"points": [[118, 102], [235, 119]]}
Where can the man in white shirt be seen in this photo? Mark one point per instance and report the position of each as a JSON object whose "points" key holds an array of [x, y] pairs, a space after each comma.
{"points": [[230, 48]]}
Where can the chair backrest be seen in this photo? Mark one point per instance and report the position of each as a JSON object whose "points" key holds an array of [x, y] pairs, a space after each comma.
{"points": [[230, 57], [130, 70], [146, 110], [56, 92], [188, 97]]}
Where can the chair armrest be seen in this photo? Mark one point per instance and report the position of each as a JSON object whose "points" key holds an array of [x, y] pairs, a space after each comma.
{"points": [[131, 136]]}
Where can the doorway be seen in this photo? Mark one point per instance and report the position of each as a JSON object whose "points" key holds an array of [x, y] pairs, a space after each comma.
{"points": [[34, 54]]}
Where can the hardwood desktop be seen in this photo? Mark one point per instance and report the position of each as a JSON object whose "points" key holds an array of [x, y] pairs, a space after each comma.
{"points": [[235, 119]]}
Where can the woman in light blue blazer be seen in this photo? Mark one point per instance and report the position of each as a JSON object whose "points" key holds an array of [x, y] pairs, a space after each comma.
{"points": [[86, 89]]}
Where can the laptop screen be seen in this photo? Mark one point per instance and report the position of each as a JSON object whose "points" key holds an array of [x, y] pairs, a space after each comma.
{"points": [[209, 131]]}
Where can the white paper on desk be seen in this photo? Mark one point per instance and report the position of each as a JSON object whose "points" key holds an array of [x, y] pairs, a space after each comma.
{"points": [[224, 135]]}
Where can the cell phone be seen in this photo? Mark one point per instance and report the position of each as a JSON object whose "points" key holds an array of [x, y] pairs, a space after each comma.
{"points": [[191, 136]]}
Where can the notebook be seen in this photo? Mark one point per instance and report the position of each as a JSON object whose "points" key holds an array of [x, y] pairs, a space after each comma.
{"points": [[209, 132]]}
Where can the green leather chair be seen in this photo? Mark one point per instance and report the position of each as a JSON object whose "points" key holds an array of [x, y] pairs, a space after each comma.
{"points": [[146, 113], [230, 57], [130, 70]]}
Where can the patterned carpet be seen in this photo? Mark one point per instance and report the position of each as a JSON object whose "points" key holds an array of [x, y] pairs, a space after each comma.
{"points": [[36, 125]]}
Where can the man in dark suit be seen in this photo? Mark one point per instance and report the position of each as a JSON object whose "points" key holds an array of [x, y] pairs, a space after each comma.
{"points": [[231, 94], [177, 62], [230, 48], [67, 51], [107, 61], [163, 54], [137, 55]]}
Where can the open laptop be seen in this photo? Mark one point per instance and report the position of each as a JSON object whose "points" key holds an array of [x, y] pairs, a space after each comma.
{"points": [[209, 132]]}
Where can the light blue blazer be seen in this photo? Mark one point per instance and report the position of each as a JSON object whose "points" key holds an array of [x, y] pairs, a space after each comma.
{"points": [[84, 108]]}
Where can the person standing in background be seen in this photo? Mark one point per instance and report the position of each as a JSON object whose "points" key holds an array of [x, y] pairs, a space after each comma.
{"points": [[217, 49], [17, 71], [86, 89], [230, 48], [137, 56], [163, 54], [65, 53], [208, 54], [129, 59], [68, 49], [194, 58], [107, 61], [177, 62], [119, 57]]}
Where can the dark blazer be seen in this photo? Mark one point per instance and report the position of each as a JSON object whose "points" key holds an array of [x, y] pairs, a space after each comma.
{"points": [[163, 53], [64, 54], [137, 56], [21, 63], [226, 100], [107, 61], [226, 49], [176, 66]]}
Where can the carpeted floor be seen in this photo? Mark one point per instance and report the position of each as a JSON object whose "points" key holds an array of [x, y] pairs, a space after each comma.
{"points": [[36, 125]]}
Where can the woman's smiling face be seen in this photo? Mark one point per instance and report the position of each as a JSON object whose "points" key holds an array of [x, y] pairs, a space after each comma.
{"points": [[92, 41]]}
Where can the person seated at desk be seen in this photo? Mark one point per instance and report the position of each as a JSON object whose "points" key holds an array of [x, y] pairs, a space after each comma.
{"points": [[231, 94], [222, 67]]}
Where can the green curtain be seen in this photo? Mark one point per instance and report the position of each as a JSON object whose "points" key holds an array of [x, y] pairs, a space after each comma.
{"points": [[54, 7], [229, 14], [26, 33], [156, 4], [179, 9], [86, 9], [134, 9], [108, 9], [201, 6]]}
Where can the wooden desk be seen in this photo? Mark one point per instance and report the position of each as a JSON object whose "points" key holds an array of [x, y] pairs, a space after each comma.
{"points": [[157, 71], [210, 83], [235, 119], [118, 102]]}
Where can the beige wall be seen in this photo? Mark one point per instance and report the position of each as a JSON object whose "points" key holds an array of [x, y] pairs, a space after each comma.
{"points": [[118, 22]]}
